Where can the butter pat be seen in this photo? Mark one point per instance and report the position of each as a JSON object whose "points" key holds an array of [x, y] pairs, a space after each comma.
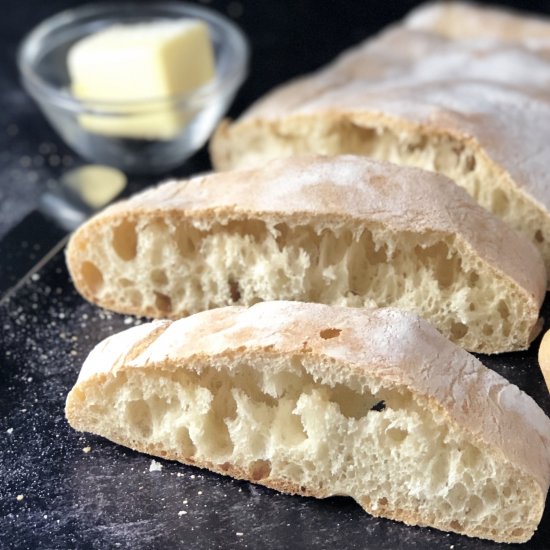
{"points": [[128, 70]]}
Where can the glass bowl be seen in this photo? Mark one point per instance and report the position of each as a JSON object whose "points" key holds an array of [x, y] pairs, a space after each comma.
{"points": [[42, 62]]}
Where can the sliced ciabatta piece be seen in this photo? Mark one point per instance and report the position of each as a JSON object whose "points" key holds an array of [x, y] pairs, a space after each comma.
{"points": [[323, 401], [465, 20], [340, 230], [544, 358], [488, 131]]}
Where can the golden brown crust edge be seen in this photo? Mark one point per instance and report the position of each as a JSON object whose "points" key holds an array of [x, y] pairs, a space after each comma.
{"points": [[463, 20]]}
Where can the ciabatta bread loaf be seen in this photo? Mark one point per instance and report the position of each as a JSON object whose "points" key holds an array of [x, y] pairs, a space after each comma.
{"points": [[464, 20], [488, 131], [323, 401], [339, 230], [401, 56]]}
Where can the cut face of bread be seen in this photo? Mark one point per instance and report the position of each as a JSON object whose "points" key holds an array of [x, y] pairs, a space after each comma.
{"points": [[544, 358], [324, 401], [487, 132], [342, 230], [463, 20]]}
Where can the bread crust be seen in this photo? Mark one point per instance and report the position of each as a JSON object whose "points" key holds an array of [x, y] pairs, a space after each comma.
{"points": [[334, 191], [464, 20], [404, 57], [395, 348]]}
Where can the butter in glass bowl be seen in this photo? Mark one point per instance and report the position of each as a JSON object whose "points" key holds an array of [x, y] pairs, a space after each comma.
{"points": [[136, 86]]}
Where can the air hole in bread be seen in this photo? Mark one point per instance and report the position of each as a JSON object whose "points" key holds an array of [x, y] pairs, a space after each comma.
{"points": [[474, 506], [397, 435], [539, 237], [470, 457], [456, 525], [260, 469], [159, 277], [139, 417], [328, 333], [447, 266], [458, 331], [187, 238], [234, 291], [457, 496], [501, 202], [448, 159], [503, 309], [186, 446], [153, 250], [490, 493], [254, 229], [125, 283], [93, 278], [351, 403], [134, 297], [163, 303], [125, 240], [439, 470]]}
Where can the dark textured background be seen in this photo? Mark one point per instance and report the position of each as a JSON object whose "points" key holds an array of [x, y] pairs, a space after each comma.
{"points": [[107, 498]]}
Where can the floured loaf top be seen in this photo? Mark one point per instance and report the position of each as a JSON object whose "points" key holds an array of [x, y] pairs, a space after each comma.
{"points": [[462, 20], [401, 56]]}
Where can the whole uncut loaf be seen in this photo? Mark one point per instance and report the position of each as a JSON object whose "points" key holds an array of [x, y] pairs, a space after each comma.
{"points": [[398, 98], [322, 401], [340, 230], [464, 20]]}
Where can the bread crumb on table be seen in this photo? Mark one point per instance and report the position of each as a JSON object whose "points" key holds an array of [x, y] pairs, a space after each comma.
{"points": [[155, 466], [20, 497], [86, 449], [182, 513]]}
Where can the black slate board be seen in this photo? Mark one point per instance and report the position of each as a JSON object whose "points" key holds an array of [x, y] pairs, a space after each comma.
{"points": [[108, 498]]}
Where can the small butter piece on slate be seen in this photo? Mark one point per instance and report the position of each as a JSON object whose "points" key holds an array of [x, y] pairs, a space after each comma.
{"points": [[130, 69]]}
